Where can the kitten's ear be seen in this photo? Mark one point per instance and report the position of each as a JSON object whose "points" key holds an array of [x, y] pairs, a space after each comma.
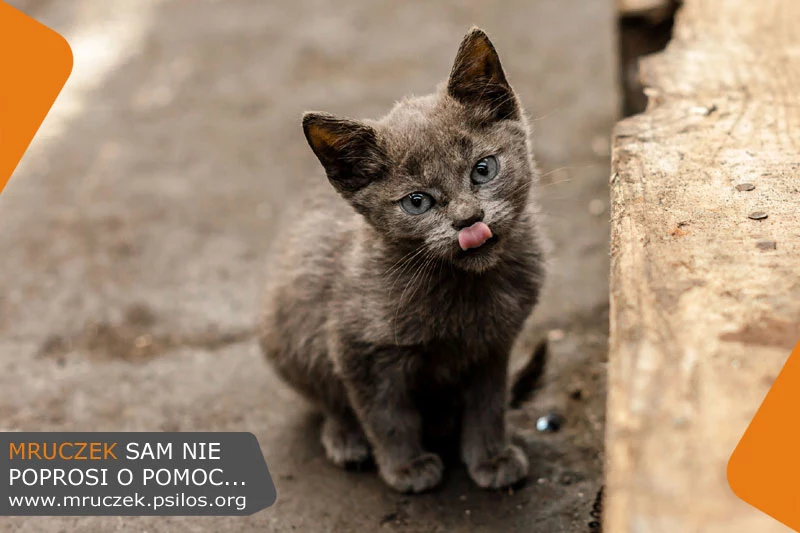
{"points": [[348, 150], [477, 79]]}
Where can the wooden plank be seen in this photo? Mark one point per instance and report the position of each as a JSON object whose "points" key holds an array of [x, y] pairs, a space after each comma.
{"points": [[704, 311]]}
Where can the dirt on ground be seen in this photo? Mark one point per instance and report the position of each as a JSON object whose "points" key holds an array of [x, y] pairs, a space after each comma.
{"points": [[134, 233]]}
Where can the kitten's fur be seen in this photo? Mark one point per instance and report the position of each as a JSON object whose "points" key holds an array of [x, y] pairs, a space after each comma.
{"points": [[377, 316]]}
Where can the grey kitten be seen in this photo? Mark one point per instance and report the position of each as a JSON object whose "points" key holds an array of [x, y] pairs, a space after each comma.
{"points": [[394, 305]]}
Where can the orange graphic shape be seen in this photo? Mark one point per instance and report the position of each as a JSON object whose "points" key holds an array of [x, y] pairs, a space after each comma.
{"points": [[764, 469], [35, 63]]}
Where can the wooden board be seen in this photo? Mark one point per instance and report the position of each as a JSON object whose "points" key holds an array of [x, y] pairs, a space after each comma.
{"points": [[704, 311]]}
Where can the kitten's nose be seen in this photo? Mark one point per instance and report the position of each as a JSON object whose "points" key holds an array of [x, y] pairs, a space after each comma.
{"points": [[467, 222]]}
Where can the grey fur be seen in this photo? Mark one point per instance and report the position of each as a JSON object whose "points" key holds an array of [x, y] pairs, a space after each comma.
{"points": [[377, 316]]}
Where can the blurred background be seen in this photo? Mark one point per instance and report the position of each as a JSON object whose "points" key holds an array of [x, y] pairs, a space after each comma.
{"points": [[134, 234]]}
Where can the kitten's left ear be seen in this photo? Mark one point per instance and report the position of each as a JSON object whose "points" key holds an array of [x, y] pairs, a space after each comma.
{"points": [[477, 79]]}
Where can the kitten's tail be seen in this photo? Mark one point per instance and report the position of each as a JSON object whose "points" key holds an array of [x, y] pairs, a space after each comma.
{"points": [[528, 380]]}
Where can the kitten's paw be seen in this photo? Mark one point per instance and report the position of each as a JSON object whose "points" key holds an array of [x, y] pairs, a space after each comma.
{"points": [[507, 468], [418, 475], [345, 444]]}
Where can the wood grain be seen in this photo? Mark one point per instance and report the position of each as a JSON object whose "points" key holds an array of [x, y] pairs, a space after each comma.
{"points": [[704, 311]]}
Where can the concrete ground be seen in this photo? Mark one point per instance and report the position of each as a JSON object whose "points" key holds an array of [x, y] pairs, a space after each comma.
{"points": [[133, 236]]}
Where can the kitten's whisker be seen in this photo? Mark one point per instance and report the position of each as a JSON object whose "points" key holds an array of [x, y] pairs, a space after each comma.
{"points": [[408, 263], [398, 275], [412, 264], [396, 264], [428, 254], [568, 167], [431, 277], [549, 214], [429, 257], [542, 117]]}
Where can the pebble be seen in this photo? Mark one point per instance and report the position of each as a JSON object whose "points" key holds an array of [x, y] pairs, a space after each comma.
{"points": [[555, 335], [743, 187], [597, 207], [549, 423], [143, 341], [767, 245], [757, 215]]}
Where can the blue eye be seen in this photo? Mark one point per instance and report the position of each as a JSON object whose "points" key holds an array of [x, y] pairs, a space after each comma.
{"points": [[485, 170], [417, 203]]}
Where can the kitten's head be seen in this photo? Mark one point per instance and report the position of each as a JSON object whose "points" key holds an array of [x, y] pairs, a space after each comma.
{"points": [[449, 172]]}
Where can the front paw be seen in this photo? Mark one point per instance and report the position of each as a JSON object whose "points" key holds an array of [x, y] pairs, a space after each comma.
{"points": [[345, 444], [506, 468], [418, 475]]}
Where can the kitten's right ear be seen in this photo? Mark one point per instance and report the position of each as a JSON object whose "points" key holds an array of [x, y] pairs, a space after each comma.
{"points": [[348, 150]]}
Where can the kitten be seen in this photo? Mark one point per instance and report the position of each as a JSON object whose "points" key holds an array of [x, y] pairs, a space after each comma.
{"points": [[394, 305]]}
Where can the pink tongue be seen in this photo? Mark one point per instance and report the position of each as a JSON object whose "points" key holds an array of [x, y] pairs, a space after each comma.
{"points": [[474, 236]]}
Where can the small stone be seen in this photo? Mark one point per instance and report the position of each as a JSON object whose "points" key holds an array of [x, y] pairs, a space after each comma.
{"points": [[541, 481], [744, 187], [549, 423], [555, 335], [767, 245], [467, 512], [597, 207], [463, 497], [757, 215], [143, 341]]}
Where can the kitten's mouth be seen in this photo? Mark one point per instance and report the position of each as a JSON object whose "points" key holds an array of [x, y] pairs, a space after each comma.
{"points": [[474, 236], [483, 249], [476, 247]]}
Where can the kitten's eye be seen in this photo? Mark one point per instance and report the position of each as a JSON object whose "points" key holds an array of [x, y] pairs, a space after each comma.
{"points": [[416, 203], [484, 170]]}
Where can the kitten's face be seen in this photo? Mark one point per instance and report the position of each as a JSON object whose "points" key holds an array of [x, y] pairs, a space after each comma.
{"points": [[449, 173]]}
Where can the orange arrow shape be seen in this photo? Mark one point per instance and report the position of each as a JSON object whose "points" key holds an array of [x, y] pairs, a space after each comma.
{"points": [[35, 63], [764, 469]]}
